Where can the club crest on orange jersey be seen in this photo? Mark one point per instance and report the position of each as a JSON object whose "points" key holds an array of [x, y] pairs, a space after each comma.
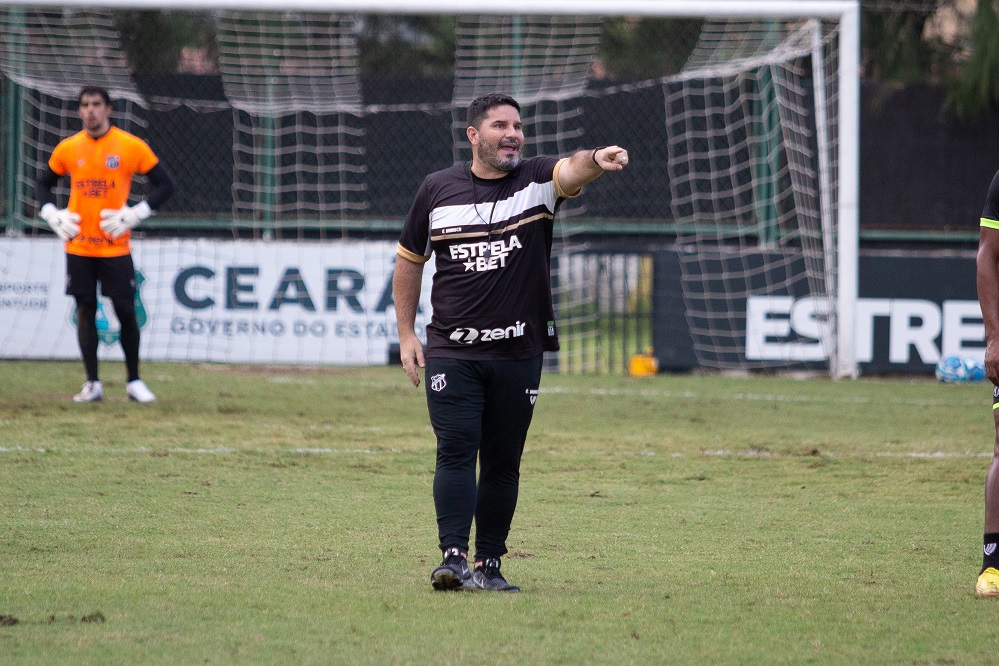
{"points": [[112, 161]]}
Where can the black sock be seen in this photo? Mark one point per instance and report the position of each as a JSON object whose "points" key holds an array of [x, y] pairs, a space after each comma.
{"points": [[990, 553]]}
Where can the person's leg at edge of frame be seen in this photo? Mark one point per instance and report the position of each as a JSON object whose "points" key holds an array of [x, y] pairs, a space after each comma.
{"points": [[454, 400], [511, 396], [988, 579]]}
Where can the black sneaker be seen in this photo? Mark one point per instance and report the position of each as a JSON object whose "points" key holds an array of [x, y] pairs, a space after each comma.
{"points": [[453, 573], [488, 577]]}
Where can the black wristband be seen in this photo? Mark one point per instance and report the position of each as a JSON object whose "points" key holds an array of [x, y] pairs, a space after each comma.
{"points": [[593, 155]]}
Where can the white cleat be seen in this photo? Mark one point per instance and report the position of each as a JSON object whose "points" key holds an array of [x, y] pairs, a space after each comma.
{"points": [[91, 392], [138, 391]]}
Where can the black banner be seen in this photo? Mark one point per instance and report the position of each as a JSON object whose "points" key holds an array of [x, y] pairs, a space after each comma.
{"points": [[913, 308]]}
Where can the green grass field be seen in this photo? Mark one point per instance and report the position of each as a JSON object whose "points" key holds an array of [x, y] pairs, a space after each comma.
{"points": [[284, 515]]}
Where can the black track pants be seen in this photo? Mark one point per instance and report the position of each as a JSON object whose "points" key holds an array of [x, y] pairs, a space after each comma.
{"points": [[479, 409]]}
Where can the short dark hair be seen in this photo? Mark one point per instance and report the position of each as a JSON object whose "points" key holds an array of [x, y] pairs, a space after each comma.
{"points": [[478, 109], [94, 90]]}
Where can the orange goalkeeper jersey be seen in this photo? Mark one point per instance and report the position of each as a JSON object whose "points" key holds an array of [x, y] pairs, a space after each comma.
{"points": [[100, 172]]}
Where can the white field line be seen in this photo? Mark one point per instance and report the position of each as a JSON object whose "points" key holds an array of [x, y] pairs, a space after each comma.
{"points": [[764, 397], [319, 451]]}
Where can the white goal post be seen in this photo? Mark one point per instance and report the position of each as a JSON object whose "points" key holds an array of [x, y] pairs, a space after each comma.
{"points": [[843, 278]]}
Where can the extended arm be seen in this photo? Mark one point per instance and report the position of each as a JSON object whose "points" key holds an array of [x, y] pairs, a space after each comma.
{"points": [[406, 284], [585, 165], [988, 297]]}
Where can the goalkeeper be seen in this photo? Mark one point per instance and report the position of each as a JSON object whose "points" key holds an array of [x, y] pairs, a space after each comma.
{"points": [[96, 226]]}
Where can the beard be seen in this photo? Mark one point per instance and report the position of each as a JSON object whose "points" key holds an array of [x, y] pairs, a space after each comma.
{"points": [[489, 154]]}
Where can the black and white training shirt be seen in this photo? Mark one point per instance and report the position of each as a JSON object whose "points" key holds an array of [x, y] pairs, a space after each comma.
{"points": [[491, 240]]}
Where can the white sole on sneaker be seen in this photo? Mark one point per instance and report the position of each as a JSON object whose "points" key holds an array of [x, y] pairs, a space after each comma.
{"points": [[139, 392], [90, 392]]}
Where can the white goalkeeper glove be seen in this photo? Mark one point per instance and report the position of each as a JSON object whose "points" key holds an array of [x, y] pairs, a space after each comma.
{"points": [[116, 221], [65, 224]]}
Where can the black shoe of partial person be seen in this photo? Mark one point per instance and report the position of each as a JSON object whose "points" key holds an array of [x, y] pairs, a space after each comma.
{"points": [[453, 573], [488, 577]]}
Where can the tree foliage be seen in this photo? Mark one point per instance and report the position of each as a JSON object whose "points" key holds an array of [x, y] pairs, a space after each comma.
{"points": [[635, 49], [894, 45], [407, 45], [153, 40], [976, 89]]}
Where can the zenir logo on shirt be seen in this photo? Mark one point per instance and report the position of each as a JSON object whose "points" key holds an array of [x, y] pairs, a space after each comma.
{"points": [[467, 336]]}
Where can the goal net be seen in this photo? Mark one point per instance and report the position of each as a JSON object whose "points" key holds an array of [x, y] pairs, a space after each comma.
{"points": [[298, 137], [751, 122], [298, 153]]}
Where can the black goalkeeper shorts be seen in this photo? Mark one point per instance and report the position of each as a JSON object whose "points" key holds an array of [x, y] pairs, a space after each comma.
{"points": [[116, 275]]}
